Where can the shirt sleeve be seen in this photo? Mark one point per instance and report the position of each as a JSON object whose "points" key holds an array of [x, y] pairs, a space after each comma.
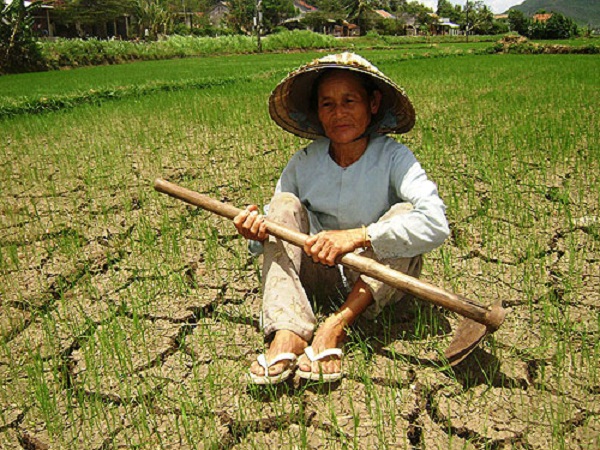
{"points": [[424, 227]]}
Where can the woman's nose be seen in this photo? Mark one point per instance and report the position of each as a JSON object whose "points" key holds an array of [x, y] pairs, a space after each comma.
{"points": [[339, 109]]}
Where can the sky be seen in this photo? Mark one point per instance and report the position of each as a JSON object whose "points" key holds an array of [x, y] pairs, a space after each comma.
{"points": [[497, 6]]}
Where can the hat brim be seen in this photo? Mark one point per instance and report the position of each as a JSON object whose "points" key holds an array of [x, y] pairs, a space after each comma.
{"points": [[289, 103]]}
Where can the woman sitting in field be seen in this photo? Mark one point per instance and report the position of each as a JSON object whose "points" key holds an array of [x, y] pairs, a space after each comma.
{"points": [[354, 190]]}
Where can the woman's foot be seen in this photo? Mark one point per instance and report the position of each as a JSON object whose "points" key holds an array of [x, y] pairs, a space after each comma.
{"points": [[285, 341], [331, 334]]}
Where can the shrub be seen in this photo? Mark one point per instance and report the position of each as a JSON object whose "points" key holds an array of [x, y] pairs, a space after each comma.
{"points": [[520, 45], [182, 29], [299, 39], [79, 52], [19, 51]]}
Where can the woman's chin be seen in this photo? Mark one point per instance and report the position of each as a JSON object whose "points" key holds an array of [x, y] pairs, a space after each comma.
{"points": [[345, 137]]}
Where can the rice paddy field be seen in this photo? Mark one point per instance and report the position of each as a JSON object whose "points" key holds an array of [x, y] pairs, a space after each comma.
{"points": [[128, 319]]}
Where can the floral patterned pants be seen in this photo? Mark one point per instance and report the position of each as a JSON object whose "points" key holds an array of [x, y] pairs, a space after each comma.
{"points": [[291, 279]]}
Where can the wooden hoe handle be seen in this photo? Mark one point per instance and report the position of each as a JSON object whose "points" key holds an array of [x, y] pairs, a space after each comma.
{"points": [[491, 316]]}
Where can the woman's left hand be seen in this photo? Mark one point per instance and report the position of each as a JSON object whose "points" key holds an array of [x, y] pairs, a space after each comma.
{"points": [[325, 247]]}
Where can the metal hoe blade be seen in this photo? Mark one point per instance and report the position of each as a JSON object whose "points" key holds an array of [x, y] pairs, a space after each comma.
{"points": [[467, 337]]}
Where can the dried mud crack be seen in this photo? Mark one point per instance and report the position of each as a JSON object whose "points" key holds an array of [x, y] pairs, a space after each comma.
{"points": [[129, 320], [105, 332]]}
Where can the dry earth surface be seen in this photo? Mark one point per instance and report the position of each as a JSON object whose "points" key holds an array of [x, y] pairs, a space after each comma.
{"points": [[128, 320], [187, 352]]}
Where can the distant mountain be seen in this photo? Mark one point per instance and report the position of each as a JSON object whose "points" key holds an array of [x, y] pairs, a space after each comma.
{"points": [[583, 12]]}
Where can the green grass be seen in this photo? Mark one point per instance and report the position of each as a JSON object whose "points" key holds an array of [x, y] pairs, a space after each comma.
{"points": [[32, 86], [63, 53], [128, 319]]}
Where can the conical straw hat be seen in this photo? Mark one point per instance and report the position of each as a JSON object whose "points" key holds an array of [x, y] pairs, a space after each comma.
{"points": [[289, 103]]}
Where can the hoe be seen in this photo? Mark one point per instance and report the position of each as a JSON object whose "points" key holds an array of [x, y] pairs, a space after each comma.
{"points": [[478, 322]]}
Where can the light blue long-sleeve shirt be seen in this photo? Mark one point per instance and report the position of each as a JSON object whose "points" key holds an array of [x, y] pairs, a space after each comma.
{"points": [[340, 198]]}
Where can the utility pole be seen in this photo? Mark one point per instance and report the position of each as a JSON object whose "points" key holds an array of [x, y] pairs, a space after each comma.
{"points": [[467, 21], [258, 23]]}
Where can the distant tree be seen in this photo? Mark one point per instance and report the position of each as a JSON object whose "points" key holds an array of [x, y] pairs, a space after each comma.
{"points": [[450, 11], [484, 22], [19, 51], [97, 12], [190, 5], [556, 27], [318, 20], [275, 12], [185, 18], [329, 6], [385, 26], [360, 12], [418, 10], [241, 15], [478, 18], [152, 15], [560, 27], [518, 22], [536, 30], [394, 6], [499, 27], [444, 8]]}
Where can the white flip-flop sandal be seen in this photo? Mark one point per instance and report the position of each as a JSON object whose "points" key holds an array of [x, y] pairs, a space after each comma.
{"points": [[274, 379], [319, 376]]}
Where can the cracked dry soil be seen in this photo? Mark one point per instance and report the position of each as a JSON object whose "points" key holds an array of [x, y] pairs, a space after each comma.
{"points": [[105, 348], [128, 320]]}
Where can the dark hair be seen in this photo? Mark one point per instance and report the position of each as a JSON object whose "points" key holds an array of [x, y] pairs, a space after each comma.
{"points": [[365, 80]]}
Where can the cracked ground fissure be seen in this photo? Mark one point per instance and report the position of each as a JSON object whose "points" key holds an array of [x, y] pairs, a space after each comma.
{"points": [[210, 322]]}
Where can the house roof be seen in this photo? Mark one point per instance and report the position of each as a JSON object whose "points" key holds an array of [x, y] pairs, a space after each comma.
{"points": [[384, 14], [445, 22], [303, 6], [541, 17], [43, 5]]}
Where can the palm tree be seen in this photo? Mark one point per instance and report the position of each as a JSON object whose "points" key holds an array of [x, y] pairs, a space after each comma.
{"points": [[359, 11], [152, 15]]}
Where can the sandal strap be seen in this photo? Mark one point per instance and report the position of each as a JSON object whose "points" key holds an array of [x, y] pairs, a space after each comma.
{"points": [[310, 353], [262, 360]]}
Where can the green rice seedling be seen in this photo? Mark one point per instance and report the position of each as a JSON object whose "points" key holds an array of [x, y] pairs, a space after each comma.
{"points": [[9, 259], [299, 39], [515, 159], [43, 394], [76, 52]]}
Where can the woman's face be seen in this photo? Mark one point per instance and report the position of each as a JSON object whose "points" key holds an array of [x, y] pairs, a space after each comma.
{"points": [[344, 106]]}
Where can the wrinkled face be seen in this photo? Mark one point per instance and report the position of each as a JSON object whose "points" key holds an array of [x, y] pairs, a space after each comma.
{"points": [[344, 106]]}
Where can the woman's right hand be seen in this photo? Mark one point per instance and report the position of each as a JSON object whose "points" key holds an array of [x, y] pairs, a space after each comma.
{"points": [[251, 224]]}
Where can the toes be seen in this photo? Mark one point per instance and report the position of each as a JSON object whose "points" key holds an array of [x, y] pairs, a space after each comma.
{"points": [[257, 369], [304, 363], [331, 365], [274, 370], [326, 365]]}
